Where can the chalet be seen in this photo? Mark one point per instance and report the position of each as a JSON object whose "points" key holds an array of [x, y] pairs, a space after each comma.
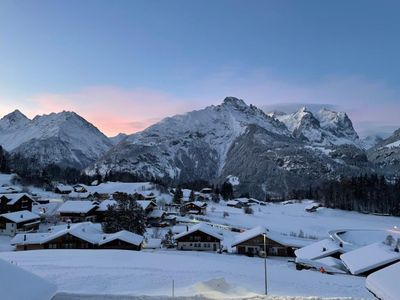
{"points": [[199, 237], [156, 218], [78, 211], [79, 188], [78, 236], [15, 202], [63, 189], [251, 242], [255, 201], [12, 223], [205, 194], [80, 195], [147, 205], [194, 208], [10, 190], [102, 209]]}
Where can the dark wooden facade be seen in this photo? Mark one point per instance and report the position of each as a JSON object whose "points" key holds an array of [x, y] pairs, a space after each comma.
{"points": [[198, 240], [24, 203], [193, 208], [255, 246], [119, 244], [90, 216]]}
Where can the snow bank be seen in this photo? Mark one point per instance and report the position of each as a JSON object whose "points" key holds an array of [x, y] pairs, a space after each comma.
{"points": [[385, 283]]}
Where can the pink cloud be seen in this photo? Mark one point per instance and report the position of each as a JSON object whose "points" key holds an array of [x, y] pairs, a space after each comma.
{"points": [[112, 110]]}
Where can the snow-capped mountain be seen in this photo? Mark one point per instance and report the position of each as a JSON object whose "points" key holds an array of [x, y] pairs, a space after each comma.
{"points": [[386, 154], [324, 128], [235, 139], [62, 138], [118, 138]]}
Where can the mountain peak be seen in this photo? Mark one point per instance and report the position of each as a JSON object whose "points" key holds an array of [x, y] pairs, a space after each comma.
{"points": [[15, 116], [233, 101]]}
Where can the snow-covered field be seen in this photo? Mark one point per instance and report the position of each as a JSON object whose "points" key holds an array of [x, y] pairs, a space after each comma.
{"points": [[115, 272]]}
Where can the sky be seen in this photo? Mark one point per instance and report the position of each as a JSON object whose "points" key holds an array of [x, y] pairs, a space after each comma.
{"points": [[125, 64]]}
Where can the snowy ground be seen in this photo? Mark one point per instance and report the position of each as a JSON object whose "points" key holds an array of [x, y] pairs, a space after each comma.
{"points": [[115, 272]]}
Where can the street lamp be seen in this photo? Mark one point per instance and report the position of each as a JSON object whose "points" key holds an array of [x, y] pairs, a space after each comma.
{"points": [[265, 263]]}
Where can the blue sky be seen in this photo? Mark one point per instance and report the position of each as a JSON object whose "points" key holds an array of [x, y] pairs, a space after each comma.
{"points": [[125, 64]]}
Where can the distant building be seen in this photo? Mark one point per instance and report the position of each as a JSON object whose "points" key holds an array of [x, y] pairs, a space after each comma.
{"points": [[63, 189], [78, 211], [78, 236], [194, 208], [200, 237], [15, 202], [12, 223]]}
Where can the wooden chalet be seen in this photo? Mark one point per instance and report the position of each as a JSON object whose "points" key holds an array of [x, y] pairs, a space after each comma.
{"points": [[200, 237], [63, 189], [15, 202], [78, 236], [147, 205], [194, 208], [251, 242], [78, 211], [14, 222]]}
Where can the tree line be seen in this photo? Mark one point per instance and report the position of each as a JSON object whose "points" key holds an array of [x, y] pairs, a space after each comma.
{"points": [[366, 193]]}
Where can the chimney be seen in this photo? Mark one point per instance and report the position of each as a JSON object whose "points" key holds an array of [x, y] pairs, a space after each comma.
{"points": [[68, 224], [187, 228], [22, 216], [24, 237]]}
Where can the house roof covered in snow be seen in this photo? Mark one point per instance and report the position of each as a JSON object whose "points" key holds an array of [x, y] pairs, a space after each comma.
{"points": [[34, 287], [146, 203], [20, 216], [156, 213], [202, 228], [103, 205], [122, 235], [14, 198], [248, 234], [319, 249], [77, 206], [197, 203], [64, 188], [86, 231], [368, 258], [384, 284], [9, 189]]}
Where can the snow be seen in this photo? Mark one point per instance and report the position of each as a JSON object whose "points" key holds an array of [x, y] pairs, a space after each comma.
{"points": [[233, 180], [17, 284], [118, 272], [385, 283], [20, 216], [249, 234], [103, 206], [393, 145], [123, 235], [156, 213], [318, 249], [13, 198], [122, 187], [200, 227], [77, 206], [367, 258]]}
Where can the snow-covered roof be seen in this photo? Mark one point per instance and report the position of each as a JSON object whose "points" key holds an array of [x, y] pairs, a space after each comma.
{"points": [[232, 202], [122, 235], [197, 203], [146, 203], [243, 200], [14, 198], [331, 266], [9, 189], [16, 283], [103, 206], [88, 231], [77, 206], [20, 216], [384, 284], [248, 234], [319, 249], [156, 213], [78, 195], [370, 257], [64, 188], [200, 227], [152, 244]]}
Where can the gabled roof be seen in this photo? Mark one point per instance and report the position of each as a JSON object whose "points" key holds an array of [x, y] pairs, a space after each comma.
{"points": [[34, 287], [156, 213], [248, 234], [368, 258], [196, 203], [319, 249], [20, 216], [77, 206], [103, 206], [384, 283], [202, 228], [146, 203], [14, 198], [122, 235], [64, 188]]}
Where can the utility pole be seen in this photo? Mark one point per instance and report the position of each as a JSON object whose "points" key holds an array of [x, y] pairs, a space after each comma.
{"points": [[265, 263]]}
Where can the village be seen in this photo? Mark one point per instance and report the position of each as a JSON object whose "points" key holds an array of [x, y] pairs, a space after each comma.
{"points": [[71, 216]]}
